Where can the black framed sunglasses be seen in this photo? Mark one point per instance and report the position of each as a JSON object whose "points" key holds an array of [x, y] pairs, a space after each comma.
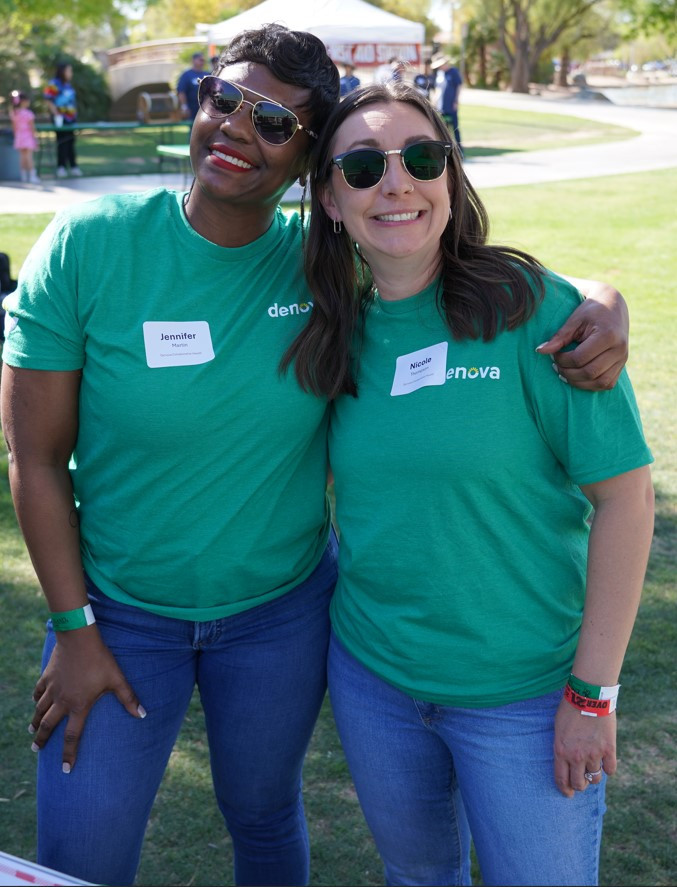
{"points": [[365, 167], [272, 122]]}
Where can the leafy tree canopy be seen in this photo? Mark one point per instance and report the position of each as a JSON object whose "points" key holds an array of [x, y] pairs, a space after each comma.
{"points": [[414, 10], [177, 18], [79, 12], [654, 17]]}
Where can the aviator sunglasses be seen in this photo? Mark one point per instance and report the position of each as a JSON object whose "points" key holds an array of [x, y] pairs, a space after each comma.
{"points": [[272, 122], [365, 167]]}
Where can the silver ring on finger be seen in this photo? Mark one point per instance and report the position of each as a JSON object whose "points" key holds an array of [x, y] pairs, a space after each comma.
{"points": [[589, 776]]}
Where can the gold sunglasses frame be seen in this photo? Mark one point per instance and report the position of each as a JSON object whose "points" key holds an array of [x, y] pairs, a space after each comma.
{"points": [[244, 101]]}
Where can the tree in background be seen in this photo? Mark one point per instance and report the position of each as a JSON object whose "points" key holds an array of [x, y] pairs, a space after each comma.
{"points": [[30, 51], [596, 30], [654, 17], [177, 18], [15, 58], [414, 10], [485, 65], [526, 29]]}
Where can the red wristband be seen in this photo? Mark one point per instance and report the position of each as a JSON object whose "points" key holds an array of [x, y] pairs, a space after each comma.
{"points": [[596, 708]]}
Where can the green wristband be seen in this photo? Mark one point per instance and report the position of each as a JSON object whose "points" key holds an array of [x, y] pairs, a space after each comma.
{"points": [[583, 688], [70, 619], [591, 691]]}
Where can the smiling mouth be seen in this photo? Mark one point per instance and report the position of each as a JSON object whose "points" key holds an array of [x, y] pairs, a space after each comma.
{"points": [[398, 217], [234, 161]]}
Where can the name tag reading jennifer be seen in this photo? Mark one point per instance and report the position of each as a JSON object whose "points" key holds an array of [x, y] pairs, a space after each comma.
{"points": [[420, 368], [173, 344]]}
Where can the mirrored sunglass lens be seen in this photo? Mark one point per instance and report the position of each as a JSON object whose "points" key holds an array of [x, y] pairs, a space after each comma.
{"points": [[425, 161], [217, 97], [275, 124], [363, 169]]}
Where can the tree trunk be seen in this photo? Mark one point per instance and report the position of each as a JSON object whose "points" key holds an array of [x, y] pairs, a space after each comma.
{"points": [[563, 73], [483, 65], [519, 71], [520, 67]]}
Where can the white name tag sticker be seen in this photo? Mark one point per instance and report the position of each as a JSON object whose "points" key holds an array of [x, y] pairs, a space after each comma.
{"points": [[420, 368], [174, 344]]}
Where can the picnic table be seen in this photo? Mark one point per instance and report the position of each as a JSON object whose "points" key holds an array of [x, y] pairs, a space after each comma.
{"points": [[176, 152], [45, 130]]}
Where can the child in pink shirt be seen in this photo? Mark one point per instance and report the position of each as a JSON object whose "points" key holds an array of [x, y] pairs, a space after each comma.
{"points": [[25, 138]]}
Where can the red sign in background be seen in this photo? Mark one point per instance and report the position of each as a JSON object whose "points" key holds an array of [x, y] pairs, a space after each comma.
{"points": [[365, 55]]}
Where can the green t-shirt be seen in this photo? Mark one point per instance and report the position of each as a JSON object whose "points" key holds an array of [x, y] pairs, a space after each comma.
{"points": [[199, 471], [463, 531]]}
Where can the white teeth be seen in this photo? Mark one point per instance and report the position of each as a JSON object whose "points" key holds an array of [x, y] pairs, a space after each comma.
{"points": [[234, 160], [398, 217]]}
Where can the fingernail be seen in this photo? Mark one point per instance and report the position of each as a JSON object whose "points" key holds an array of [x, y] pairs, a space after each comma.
{"points": [[562, 379], [538, 347], [554, 366], [35, 747], [66, 767], [31, 728], [142, 711]]}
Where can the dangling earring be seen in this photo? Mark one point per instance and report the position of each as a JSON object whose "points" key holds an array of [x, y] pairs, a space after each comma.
{"points": [[304, 185], [338, 226], [303, 182], [451, 214]]}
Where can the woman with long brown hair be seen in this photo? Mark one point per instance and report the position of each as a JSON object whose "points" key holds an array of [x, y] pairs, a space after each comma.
{"points": [[479, 620]]}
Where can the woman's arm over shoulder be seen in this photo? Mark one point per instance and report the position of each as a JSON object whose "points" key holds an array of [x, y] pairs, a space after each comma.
{"points": [[600, 326]]}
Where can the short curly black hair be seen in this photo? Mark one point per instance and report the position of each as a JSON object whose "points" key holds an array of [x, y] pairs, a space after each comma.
{"points": [[295, 57]]}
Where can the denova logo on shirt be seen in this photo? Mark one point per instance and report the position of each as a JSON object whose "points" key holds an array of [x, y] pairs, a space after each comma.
{"points": [[276, 310], [473, 373]]}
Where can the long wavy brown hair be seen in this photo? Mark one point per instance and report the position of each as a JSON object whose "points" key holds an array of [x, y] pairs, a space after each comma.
{"points": [[483, 289]]}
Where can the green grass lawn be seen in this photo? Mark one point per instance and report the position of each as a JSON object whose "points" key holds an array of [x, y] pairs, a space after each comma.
{"points": [[621, 229], [486, 130]]}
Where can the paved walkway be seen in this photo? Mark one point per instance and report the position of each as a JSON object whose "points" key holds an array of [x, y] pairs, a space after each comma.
{"points": [[654, 148]]}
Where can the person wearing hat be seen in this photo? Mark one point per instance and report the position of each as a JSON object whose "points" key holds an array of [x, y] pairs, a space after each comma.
{"points": [[188, 85]]}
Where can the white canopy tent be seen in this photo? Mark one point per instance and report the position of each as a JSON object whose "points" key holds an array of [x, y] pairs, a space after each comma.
{"points": [[352, 30]]}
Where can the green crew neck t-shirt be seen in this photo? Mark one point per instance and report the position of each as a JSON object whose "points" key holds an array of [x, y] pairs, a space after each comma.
{"points": [[199, 471], [463, 529]]}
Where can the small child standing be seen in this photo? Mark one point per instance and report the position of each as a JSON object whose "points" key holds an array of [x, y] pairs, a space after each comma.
{"points": [[25, 138]]}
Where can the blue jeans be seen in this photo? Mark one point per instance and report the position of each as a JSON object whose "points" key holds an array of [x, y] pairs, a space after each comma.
{"points": [[261, 675], [451, 119], [427, 776]]}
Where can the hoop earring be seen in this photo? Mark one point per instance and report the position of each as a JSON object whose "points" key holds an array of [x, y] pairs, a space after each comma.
{"points": [[451, 214], [338, 226]]}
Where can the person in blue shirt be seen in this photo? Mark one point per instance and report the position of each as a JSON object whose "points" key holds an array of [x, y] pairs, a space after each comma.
{"points": [[188, 85], [451, 87], [349, 81], [426, 81]]}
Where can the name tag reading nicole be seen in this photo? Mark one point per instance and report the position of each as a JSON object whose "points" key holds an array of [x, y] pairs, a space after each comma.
{"points": [[420, 368], [171, 344]]}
